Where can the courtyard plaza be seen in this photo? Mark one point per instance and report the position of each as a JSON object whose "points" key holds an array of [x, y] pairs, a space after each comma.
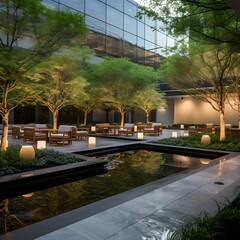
{"points": [[147, 212]]}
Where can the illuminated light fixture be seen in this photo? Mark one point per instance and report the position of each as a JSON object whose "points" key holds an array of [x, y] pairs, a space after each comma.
{"points": [[27, 195], [27, 153], [41, 144], [27, 175], [205, 139], [135, 128], [174, 134], [140, 135], [182, 126], [93, 129], [186, 134], [92, 141], [204, 161]]}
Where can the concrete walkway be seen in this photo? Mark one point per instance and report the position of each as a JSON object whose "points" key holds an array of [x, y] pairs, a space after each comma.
{"points": [[148, 212]]}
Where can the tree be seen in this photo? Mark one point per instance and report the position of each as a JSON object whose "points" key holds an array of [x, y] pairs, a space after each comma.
{"points": [[57, 83], [149, 99], [205, 73], [234, 96], [203, 20], [119, 80], [86, 101], [29, 33]]}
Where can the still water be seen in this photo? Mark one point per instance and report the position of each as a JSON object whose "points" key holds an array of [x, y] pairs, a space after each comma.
{"points": [[125, 171]]}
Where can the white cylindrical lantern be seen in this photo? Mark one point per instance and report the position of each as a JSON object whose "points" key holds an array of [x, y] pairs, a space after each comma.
{"points": [[93, 129], [186, 134], [174, 134], [135, 128], [41, 144], [205, 139], [27, 152], [92, 140], [182, 126], [204, 161], [140, 135]]}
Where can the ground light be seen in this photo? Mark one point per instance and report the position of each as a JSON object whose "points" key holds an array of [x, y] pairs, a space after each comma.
{"points": [[27, 152]]}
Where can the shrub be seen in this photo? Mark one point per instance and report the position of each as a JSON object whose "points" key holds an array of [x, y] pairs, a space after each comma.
{"points": [[10, 162]]}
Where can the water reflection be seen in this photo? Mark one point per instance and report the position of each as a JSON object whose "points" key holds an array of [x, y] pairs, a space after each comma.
{"points": [[126, 170]]}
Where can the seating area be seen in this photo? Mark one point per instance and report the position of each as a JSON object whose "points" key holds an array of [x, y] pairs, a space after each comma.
{"points": [[62, 135]]}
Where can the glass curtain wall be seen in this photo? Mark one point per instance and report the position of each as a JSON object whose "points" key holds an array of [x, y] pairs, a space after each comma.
{"points": [[115, 31]]}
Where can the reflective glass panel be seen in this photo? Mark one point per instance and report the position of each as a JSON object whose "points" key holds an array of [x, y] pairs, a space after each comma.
{"points": [[115, 32], [130, 24], [170, 42], [50, 4], [140, 42], [114, 46], [149, 34], [118, 4], [95, 24], [130, 38], [76, 4], [141, 29], [96, 9], [161, 39], [114, 17], [130, 8]]}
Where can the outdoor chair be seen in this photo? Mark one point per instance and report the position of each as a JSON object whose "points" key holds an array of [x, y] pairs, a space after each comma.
{"points": [[62, 135], [155, 129], [29, 133], [80, 133], [128, 129], [17, 132]]}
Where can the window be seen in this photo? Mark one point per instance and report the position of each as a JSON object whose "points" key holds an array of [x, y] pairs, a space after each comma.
{"points": [[114, 17], [130, 24], [170, 42], [118, 4], [115, 32], [161, 39], [130, 8], [50, 4], [95, 9], [141, 30], [95, 25], [149, 34], [75, 4], [130, 38]]}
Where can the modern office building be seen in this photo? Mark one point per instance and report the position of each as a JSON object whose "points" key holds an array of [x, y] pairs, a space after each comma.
{"points": [[114, 30]]}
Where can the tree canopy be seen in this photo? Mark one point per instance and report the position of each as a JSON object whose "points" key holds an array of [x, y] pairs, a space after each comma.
{"points": [[119, 80], [211, 21], [30, 32]]}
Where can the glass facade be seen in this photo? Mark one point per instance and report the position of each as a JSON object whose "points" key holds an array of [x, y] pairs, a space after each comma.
{"points": [[115, 31]]}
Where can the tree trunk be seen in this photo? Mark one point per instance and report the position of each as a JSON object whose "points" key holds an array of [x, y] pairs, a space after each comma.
{"points": [[222, 126], [122, 118], [147, 117], [5, 131], [55, 119], [239, 113], [85, 118]]}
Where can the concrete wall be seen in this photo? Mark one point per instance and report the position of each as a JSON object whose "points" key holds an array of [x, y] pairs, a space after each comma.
{"points": [[166, 116], [189, 110]]}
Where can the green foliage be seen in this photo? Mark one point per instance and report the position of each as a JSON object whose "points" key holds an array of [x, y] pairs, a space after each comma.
{"points": [[224, 225], [10, 162], [212, 21], [231, 143]]}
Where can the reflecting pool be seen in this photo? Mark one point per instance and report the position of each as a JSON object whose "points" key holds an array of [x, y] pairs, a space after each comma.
{"points": [[124, 171]]}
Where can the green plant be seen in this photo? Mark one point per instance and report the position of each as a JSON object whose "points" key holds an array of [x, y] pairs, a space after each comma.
{"points": [[224, 225], [10, 162], [231, 143]]}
